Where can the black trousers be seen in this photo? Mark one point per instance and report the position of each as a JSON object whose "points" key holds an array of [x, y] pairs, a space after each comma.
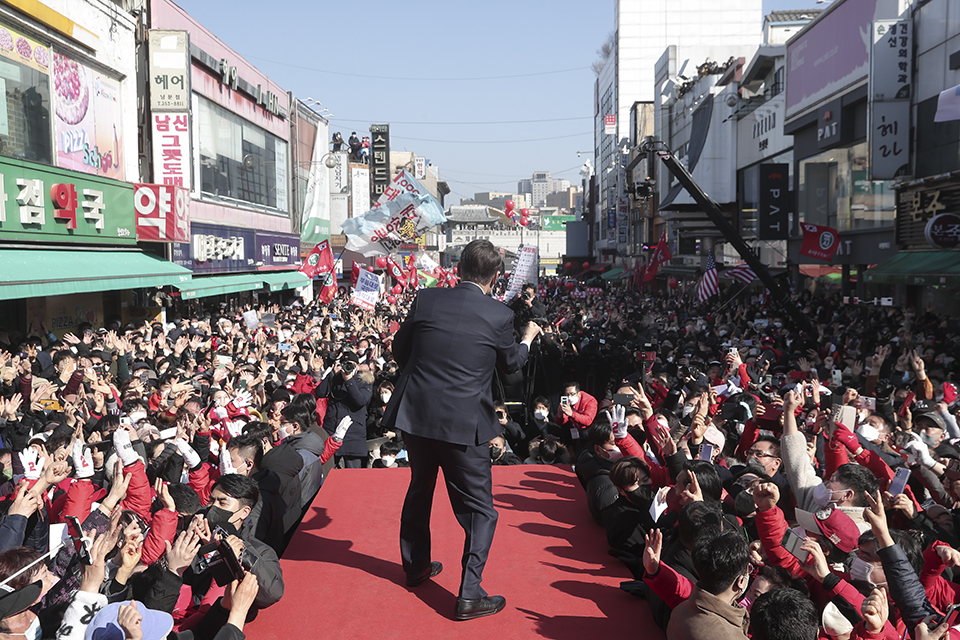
{"points": [[466, 472]]}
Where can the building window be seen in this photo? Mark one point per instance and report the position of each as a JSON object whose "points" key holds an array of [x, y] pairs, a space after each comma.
{"points": [[239, 160], [836, 191], [777, 87], [25, 126]]}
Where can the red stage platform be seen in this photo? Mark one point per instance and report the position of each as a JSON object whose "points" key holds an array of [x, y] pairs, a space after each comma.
{"points": [[344, 580]]}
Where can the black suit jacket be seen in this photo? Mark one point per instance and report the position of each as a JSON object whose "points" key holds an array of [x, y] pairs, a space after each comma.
{"points": [[448, 347]]}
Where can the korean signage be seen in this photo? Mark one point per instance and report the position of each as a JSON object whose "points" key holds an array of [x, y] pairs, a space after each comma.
{"points": [[169, 68], [360, 190], [379, 160], [419, 167], [38, 202], [943, 231], [275, 250], [171, 148], [214, 249], [891, 57], [610, 124], [623, 221], [340, 174], [773, 208], [367, 290], [889, 139], [555, 223], [163, 212], [919, 206], [88, 121]]}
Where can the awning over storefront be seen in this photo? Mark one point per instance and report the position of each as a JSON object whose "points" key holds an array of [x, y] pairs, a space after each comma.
{"points": [[612, 274], [927, 268], [33, 273], [278, 281], [220, 286]]}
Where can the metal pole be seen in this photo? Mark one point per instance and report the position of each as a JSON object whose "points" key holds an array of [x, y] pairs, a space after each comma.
{"points": [[712, 210]]}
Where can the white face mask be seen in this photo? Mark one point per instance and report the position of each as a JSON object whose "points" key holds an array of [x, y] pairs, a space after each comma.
{"points": [[574, 399], [388, 461], [33, 632], [540, 414], [385, 397], [822, 495], [861, 570], [613, 454], [688, 409], [284, 433]]}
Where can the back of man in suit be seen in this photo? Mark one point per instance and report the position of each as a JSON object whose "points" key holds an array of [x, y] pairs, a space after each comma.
{"points": [[448, 347]]}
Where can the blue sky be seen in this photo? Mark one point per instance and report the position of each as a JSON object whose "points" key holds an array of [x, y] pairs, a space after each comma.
{"points": [[488, 91]]}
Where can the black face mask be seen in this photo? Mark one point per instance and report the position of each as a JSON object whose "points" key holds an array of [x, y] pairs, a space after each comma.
{"points": [[218, 517], [744, 505], [495, 453], [641, 497]]}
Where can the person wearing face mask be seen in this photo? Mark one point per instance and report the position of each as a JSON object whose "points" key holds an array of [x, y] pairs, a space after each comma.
{"points": [[577, 412], [593, 471], [500, 456], [388, 457], [242, 456], [378, 402]]}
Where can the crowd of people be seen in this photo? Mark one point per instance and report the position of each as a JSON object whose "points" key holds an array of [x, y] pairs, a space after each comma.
{"points": [[760, 481]]}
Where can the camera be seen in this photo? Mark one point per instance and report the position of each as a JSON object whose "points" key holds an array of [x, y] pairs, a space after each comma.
{"points": [[348, 367]]}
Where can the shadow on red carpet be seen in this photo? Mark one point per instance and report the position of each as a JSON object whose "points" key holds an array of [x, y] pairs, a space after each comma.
{"points": [[344, 580]]}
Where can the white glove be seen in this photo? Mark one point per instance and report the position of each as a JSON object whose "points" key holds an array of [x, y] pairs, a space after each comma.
{"points": [[121, 442], [242, 400], [226, 464], [342, 428], [191, 457], [214, 446], [917, 447], [82, 461], [235, 427], [32, 466], [617, 415], [220, 412]]}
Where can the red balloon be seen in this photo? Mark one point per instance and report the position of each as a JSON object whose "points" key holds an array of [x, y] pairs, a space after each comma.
{"points": [[673, 283], [508, 206], [456, 270], [395, 289], [568, 266], [381, 262], [370, 268], [391, 299], [524, 221], [569, 285], [586, 265], [525, 212]]}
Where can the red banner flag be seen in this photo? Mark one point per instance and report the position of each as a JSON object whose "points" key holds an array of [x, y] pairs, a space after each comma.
{"points": [[819, 242], [354, 275], [660, 255], [413, 278], [328, 290], [319, 260], [396, 271]]}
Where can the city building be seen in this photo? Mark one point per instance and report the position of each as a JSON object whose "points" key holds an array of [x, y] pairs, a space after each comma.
{"points": [[539, 185]]}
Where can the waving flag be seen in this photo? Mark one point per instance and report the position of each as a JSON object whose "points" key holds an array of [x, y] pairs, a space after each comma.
{"points": [[319, 260], [660, 255], [382, 230], [709, 284], [743, 273]]}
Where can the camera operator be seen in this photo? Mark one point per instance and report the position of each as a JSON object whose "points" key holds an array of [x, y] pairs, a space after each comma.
{"points": [[348, 392], [526, 307]]}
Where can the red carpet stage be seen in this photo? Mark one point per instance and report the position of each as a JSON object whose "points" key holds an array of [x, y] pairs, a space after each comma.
{"points": [[344, 580]]}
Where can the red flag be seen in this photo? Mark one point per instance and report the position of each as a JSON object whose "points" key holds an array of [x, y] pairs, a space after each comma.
{"points": [[396, 271], [413, 278], [319, 260], [660, 255], [328, 290], [354, 275], [819, 242]]}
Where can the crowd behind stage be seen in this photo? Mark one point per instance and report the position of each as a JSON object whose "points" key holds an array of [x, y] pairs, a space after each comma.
{"points": [[757, 481]]}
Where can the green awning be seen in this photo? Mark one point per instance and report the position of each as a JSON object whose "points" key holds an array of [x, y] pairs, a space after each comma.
{"points": [[926, 268], [280, 280], [220, 286], [612, 274], [33, 273]]}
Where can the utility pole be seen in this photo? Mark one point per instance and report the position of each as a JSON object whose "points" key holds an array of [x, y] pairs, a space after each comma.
{"points": [[712, 209]]}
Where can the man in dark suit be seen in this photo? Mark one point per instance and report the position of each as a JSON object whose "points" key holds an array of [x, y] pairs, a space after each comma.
{"points": [[448, 347]]}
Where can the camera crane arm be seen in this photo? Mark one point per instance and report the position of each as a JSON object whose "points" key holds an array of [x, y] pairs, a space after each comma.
{"points": [[712, 210]]}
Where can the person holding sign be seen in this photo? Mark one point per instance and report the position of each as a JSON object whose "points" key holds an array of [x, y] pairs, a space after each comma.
{"points": [[448, 347]]}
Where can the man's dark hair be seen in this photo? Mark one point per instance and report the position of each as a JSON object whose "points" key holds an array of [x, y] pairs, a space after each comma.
{"points": [[240, 487], [626, 471], [389, 448], [784, 614], [259, 430], [572, 383], [186, 499], [599, 434], [707, 478], [859, 479], [59, 438], [774, 443], [60, 356], [297, 414], [548, 450], [479, 262], [694, 517], [720, 560], [248, 446]]}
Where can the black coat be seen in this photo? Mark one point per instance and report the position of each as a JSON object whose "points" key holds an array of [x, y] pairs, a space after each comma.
{"points": [[347, 398]]}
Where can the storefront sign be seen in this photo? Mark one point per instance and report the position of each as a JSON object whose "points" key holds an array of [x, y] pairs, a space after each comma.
{"points": [[891, 67], [171, 149], [609, 124], [419, 167], [340, 174], [773, 209], [379, 160], [943, 231], [359, 190], [277, 250], [919, 206], [623, 222], [88, 121], [169, 71], [889, 139], [829, 125], [163, 213], [214, 249], [555, 223], [42, 203], [27, 51]]}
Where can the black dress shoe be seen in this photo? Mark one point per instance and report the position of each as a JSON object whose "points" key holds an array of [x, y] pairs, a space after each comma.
{"points": [[434, 569], [470, 609]]}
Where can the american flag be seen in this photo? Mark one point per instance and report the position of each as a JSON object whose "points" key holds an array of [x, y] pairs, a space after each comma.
{"points": [[743, 273], [710, 284]]}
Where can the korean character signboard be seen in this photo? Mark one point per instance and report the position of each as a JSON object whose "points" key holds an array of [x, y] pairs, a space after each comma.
{"points": [[379, 160], [162, 212], [891, 63], [277, 250], [171, 149], [214, 249], [38, 202], [169, 71]]}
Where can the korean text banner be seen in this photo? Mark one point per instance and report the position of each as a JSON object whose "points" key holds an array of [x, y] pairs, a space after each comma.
{"points": [[366, 291], [382, 230]]}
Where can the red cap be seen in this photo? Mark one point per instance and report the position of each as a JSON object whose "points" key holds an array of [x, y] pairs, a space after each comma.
{"points": [[835, 525]]}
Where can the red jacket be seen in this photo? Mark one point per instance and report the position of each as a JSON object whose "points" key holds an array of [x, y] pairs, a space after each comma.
{"points": [[583, 412]]}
